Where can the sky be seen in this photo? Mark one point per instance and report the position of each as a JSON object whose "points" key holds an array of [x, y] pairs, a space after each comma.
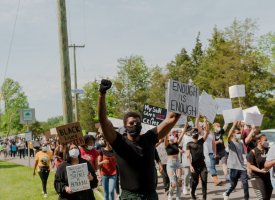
{"points": [[110, 29]]}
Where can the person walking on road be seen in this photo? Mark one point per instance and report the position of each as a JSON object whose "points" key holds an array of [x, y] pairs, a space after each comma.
{"points": [[108, 171], [135, 153], [43, 160], [195, 156], [260, 181], [174, 168], [61, 184], [237, 168]]}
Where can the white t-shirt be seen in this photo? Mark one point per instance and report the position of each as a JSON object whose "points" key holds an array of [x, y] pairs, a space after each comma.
{"points": [[185, 140], [208, 143], [271, 156]]}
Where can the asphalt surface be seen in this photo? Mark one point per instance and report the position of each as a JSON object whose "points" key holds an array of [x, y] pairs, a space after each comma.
{"points": [[213, 192]]}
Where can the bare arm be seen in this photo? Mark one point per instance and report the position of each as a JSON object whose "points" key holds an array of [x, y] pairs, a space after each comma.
{"points": [[207, 131], [164, 128], [250, 135], [106, 126], [35, 165], [231, 130], [269, 164], [225, 126]]}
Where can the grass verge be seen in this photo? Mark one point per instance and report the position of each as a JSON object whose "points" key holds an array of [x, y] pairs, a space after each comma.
{"points": [[18, 183]]}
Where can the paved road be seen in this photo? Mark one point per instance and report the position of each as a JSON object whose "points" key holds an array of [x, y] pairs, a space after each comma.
{"points": [[213, 192]]}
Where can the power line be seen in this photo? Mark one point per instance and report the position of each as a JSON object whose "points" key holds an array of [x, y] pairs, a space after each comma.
{"points": [[11, 42]]}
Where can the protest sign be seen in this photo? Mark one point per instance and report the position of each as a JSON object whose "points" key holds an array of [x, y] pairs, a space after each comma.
{"points": [[28, 136], [182, 120], [236, 91], [182, 98], [253, 119], [69, 133], [153, 115], [162, 153], [232, 115], [207, 106], [223, 104], [78, 177]]}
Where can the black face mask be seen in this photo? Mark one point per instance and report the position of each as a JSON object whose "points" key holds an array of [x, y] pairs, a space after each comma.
{"points": [[134, 130]]}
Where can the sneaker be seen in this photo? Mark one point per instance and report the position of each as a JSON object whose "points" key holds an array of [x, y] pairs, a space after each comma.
{"points": [[169, 197], [225, 197], [45, 195], [185, 191]]}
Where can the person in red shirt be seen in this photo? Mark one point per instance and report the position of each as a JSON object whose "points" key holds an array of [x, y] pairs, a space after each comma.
{"points": [[88, 152], [107, 166]]}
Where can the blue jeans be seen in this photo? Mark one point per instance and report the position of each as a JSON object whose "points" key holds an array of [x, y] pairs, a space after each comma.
{"points": [[109, 185], [235, 175], [213, 170]]}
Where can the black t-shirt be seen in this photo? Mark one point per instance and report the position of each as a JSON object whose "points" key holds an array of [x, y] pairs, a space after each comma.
{"points": [[196, 151], [172, 149], [258, 160], [136, 162], [220, 148]]}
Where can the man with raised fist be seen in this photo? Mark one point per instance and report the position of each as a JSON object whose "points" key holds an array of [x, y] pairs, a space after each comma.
{"points": [[135, 153]]}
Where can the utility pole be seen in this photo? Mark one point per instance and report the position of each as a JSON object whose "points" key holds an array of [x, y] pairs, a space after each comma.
{"points": [[75, 81], [64, 62]]}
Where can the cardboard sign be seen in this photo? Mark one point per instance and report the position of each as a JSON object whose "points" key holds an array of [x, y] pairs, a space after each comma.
{"points": [[182, 98], [69, 133], [236, 91], [223, 104], [207, 106], [232, 115], [153, 115], [253, 119], [78, 177]]}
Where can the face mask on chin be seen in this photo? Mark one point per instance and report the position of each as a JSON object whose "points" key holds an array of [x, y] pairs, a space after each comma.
{"points": [[134, 131]]}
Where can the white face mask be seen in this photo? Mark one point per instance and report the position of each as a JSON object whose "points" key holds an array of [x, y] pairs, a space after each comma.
{"points": [[90, 147], [171, 138], [44, 148], [74, 153], [218, 129]]}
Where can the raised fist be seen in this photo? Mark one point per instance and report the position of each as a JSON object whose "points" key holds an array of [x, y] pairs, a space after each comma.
{"points": [[104, 86]]}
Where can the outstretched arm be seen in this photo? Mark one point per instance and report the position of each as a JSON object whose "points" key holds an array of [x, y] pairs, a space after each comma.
{"points": [[106, 126], [231, 130], [164, 128], [207, 131]]}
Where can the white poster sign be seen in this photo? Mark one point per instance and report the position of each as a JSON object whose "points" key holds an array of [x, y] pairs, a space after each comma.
{"points": [[253, 119], [28, 136], [162, 153], [236, 91], [253, 109], [78, 177], [207, 106], [182, 120], [223, 104], [232, 115], [182, 98]]}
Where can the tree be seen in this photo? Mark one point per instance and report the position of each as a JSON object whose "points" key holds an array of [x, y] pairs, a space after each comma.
{"points": [[14, 100], [157, 87], [267, 46], [52, 122], [131, 84], [231, 59], [88, 105]]}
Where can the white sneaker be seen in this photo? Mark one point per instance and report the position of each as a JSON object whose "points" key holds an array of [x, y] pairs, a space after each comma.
{"points": [[225, 197], [185, 191], [45, 195], [169, 197]]}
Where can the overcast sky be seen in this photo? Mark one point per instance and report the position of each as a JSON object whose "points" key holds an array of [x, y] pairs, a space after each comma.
{"points": [[110, 29]]}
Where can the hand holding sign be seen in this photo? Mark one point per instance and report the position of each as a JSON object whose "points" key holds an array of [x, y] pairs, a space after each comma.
{"points": [[68, 190]]}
